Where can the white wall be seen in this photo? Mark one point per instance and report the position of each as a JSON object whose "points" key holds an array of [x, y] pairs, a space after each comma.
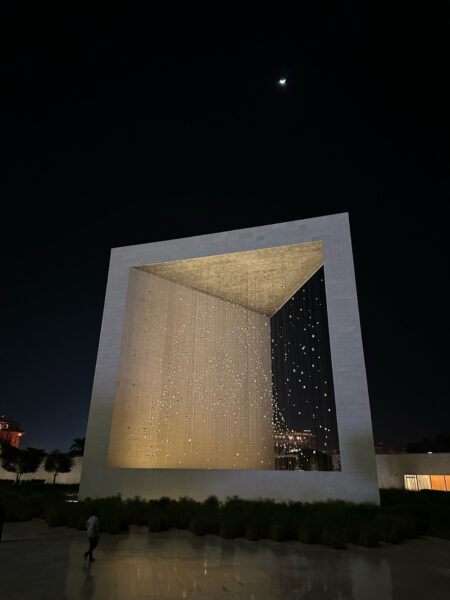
{"points": [[392, 467], [194, 387]]}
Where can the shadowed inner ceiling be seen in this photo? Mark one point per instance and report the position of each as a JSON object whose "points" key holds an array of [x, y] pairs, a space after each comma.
{"points": [[261, 280]]}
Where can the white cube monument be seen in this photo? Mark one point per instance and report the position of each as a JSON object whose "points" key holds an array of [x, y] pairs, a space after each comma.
{"points": [[182, 396]]}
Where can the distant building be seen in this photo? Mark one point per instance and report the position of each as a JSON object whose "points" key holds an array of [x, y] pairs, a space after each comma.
{"points": [[10, 431], [381, 448], [414, 471], [288, 442], [294, 450]]}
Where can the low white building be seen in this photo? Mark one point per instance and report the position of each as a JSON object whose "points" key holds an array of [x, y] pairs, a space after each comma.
{"points": [[414, 471], [401, 471]]}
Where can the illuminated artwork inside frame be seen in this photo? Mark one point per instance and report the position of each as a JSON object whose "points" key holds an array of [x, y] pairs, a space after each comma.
{"points": [[225, 364]]}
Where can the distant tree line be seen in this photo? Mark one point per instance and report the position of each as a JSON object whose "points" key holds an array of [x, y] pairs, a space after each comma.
{"points": [[441, 443], [27, 460]]}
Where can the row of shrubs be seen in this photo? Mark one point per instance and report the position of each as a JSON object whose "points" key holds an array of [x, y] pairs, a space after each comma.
{"points": [[334, 523], [402, 515], [31, 499], [429, 508]]}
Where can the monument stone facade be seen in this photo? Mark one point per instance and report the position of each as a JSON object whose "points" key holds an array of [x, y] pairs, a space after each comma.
{"points": [[182, 397]]}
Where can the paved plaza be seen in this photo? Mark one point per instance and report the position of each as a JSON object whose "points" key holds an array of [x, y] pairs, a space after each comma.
{"points": [[39, 562]]}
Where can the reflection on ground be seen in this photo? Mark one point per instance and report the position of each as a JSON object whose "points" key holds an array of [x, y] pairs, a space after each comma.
{"points": [[41, 562]]}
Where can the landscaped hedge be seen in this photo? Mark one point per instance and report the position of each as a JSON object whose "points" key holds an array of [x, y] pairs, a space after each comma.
{"points": [[29, 499], [402, 515]]}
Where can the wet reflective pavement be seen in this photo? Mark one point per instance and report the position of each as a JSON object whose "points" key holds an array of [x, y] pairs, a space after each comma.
{"points": [[39, 562]]}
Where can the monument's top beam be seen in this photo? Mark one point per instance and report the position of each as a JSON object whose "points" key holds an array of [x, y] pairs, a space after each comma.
{"points": [[261, 280]]}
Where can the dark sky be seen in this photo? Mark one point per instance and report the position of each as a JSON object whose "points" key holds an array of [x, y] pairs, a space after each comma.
{"points": [[129, 125], [302, 377]]}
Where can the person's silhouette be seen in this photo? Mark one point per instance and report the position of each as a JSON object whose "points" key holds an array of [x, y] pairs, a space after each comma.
{"points": [[93, 531]]}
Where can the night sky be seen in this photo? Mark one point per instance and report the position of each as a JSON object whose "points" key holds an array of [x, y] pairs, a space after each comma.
{"points": [[129, 125], [302, 377]]}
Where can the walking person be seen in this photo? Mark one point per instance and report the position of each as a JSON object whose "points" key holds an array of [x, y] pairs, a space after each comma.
{"points": [[93, 531], [2, 519]]}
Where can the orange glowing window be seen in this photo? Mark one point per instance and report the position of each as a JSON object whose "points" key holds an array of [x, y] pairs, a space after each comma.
{"points": [[438, 482], [447, 481]]}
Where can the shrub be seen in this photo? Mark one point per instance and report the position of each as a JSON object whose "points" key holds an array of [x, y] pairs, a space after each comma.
{"points": [[136, 511], [280, 532], [210, 511], [36, 505], [258, 520], [360, 523], [123, 521], [228, 529], [212, 523], [212, 503], [368, 536], [16, 507], [182, 512], [335, 537], [158, 522], [163, 503], [402, 515], [234, 516], [198, 526], [388, 529], [74, 516], [311, 524], [253, 531], [56, 517], [308, 534], [111, 524], [439, 523], [407, 527], [81, 523]]}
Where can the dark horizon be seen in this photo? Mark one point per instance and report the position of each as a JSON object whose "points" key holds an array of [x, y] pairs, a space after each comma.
{"points": [[127, 125]]}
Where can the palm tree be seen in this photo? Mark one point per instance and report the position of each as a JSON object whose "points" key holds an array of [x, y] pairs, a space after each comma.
{"points": [[77, 447]]}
